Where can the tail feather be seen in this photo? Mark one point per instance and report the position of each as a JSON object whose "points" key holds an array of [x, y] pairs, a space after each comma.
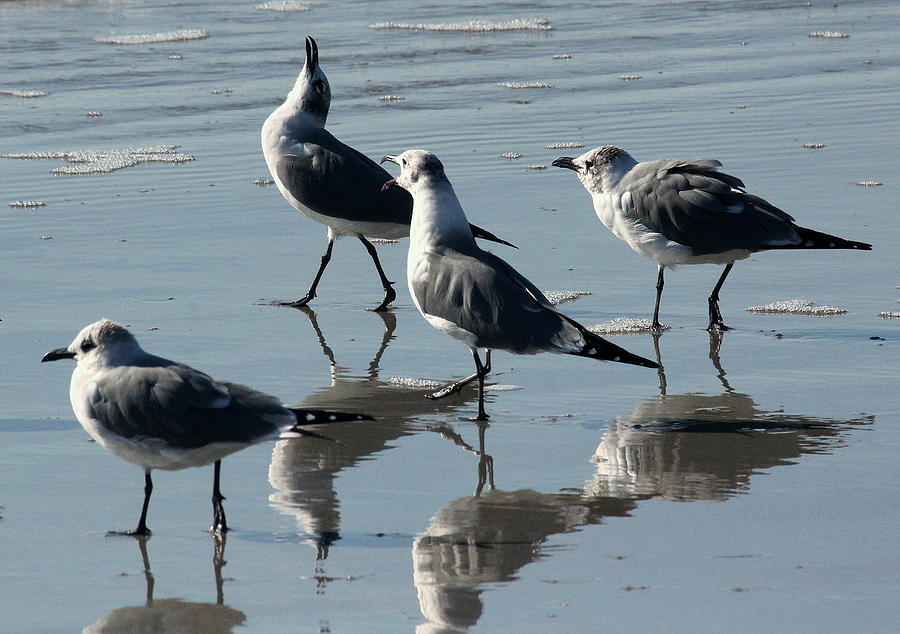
{"points": [[812, 239], [484, 234], [596, 347]]}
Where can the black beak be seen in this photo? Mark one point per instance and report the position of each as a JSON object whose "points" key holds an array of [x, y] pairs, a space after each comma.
{"points": [[312, 53], [56, 355], [565, 161], [388, 157]]}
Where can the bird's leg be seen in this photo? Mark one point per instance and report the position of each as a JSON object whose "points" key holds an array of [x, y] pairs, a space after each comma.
{"points": [[141, 530], [453, 388], [142, 523], [481, 371], [389, 293], [311, 293], [219, 523], [715, 317], [660, 282]]}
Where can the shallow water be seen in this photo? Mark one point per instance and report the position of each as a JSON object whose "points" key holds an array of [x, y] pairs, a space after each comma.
{"points": [[780, 439]]}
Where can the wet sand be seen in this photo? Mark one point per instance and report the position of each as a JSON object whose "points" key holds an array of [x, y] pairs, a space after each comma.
{"points": [[749, 486]]}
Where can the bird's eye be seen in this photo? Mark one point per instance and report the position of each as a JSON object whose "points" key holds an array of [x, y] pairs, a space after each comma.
{"points": [[87, 344], [319, 86], [403, 162], [589, 164]]}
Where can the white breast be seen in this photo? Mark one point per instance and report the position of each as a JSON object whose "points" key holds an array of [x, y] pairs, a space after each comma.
{"points": [[612, 211]]}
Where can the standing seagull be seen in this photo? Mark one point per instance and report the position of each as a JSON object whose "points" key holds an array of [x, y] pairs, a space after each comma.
{"points": [[687, 212], [160, 414], [471, 294], [331, 182]]}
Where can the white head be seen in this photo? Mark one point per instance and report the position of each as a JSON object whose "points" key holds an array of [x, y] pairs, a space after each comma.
{"points": [[104, 342], [311, 91], [599, 169], [417, 168]]}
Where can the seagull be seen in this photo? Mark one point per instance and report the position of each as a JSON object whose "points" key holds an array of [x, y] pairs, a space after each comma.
{"points": [[331, 182], [160, 414], [687, 212], [471, 294]]}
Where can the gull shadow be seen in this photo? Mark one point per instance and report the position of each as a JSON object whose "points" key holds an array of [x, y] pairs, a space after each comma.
{"points": [[672, 447], [174, 615], [303, 473]]}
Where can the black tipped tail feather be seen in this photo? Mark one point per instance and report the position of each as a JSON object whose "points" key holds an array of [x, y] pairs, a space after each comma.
{"points": [[597, 347], [484, 234], [812, 239]]}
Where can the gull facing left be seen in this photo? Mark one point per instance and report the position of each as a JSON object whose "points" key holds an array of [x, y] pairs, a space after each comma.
{"points": [[160, 414], [687, 212], [471, 294]]}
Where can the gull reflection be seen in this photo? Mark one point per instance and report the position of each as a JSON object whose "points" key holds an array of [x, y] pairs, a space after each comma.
{"points": [[487, 538], [672, 447], [704, 447], [174, 615], [303, 473]]}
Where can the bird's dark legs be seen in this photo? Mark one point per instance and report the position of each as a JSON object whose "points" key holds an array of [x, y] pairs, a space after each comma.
{"points": [[219, 523], [660, 282], [141, 530], [142, 523], [311, 293], [481, 372], [715, 317], [389, 294]]}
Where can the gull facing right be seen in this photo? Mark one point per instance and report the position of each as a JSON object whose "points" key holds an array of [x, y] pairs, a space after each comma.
{"points": [[471, 294], [687, 212]]}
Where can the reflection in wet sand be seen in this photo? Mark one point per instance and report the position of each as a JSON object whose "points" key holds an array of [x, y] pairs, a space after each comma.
{"points": [[706, 447], [486, 539], [673, 447], [303, 472], [174, 615]]}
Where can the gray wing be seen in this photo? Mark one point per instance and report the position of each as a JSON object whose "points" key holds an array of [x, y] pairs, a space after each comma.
{"points": [[184, 407], [487, 297], [692, 203], [340, 182]]}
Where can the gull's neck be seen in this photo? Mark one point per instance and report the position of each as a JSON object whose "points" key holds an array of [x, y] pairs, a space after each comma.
{"points": [[438, 219], [619, 166], [114, 356], [292, 109]]}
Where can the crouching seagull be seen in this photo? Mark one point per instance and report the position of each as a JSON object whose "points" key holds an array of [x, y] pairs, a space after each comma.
{"points": [[687, 212], [471, 294], [331, 182], [160, 414]]}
